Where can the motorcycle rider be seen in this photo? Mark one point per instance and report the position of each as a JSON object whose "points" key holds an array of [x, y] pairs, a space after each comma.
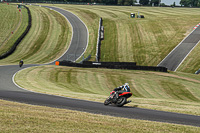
{"points": [[121, 89], [21, 63]]}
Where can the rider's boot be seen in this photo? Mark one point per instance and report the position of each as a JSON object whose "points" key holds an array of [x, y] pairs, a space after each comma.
{"points": [[128, 101]]}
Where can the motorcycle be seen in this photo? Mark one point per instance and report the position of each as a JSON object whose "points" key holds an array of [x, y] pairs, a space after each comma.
{"points": [[21, 63], [120, 101]]}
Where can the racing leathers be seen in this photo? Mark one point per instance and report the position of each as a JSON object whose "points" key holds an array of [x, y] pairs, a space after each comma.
{"points": [[121, 89]]}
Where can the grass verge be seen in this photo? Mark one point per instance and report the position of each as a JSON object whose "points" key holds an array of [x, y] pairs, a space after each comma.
{"points": [[145, 41], [154, 90], [91, 19], [48, 38], [13, 21], [17, 117]]}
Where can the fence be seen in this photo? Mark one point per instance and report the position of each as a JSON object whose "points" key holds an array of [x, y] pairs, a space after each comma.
{"points": [[113, 65], [98, 49]]}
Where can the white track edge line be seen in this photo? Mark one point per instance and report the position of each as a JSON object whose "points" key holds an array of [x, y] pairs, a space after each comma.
{"points": [[72, 32], [13, 77], [13, 80], [186, 56], [70, 40], [177, 46]]}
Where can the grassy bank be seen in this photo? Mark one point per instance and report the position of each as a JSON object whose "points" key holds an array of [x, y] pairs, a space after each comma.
{"points": [[8, 13], [48, 38], [161, 91], [91, 19], [11, 21], [145, 41], [191, 64], [17, 117]]}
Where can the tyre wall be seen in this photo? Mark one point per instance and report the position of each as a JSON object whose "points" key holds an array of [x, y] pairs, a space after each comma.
{"points": [[112, 65]]}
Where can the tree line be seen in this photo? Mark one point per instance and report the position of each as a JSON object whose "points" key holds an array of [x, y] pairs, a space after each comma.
{"points": [[192, 3], [187, 3], [107, 2]]}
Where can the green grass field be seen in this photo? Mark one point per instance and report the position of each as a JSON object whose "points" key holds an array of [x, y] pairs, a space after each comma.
{"points": [[154, 90], [11, 21], [20, 118], [48, 38], [145, 41]]}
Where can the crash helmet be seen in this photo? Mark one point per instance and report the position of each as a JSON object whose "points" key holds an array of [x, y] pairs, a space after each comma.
{"points": [[126, 84]]}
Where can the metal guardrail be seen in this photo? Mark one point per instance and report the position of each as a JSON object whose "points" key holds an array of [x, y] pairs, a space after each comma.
{"points": [[99, 38]]}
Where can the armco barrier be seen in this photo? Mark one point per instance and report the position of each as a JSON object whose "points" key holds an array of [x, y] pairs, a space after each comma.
{"points": [[111, 66], [110, 63], [99, 41], [12, 49]]}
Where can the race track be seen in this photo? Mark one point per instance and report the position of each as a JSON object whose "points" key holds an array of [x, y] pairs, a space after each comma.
{"points": [[174, 59], [80, 36], [9, 91]]}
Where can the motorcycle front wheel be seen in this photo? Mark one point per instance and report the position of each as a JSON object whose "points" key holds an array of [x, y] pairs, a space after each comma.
{"points": [[121, 101], [107, 101], [20, 64]]}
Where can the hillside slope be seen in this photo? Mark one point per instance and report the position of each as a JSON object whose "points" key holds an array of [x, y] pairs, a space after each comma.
{"points": [[13, 24], [48, 38], [145, 41], [176, 92]]}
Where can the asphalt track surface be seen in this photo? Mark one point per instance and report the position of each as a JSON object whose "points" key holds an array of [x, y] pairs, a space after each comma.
{"points": [[79, 34], [9, 91], [174, 59]]}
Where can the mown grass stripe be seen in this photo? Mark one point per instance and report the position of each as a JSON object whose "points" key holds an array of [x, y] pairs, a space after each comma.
{"points": [[109, 45], [147, 41], [38, 48], [18, 117], [43, 35], [178, 91], [18, 33], [150, 90], [9, 19], [12, 31]]}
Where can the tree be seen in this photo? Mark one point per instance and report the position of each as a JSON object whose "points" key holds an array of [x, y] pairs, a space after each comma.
{"points": [[174, 4], [195, 3], [144, 2], [120, 2], [126, 2], [198, 3], [185, 2], [134, 1], [156, 2]]}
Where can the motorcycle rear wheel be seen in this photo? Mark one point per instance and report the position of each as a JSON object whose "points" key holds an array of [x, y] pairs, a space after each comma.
{"points": [[121, 101]]}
